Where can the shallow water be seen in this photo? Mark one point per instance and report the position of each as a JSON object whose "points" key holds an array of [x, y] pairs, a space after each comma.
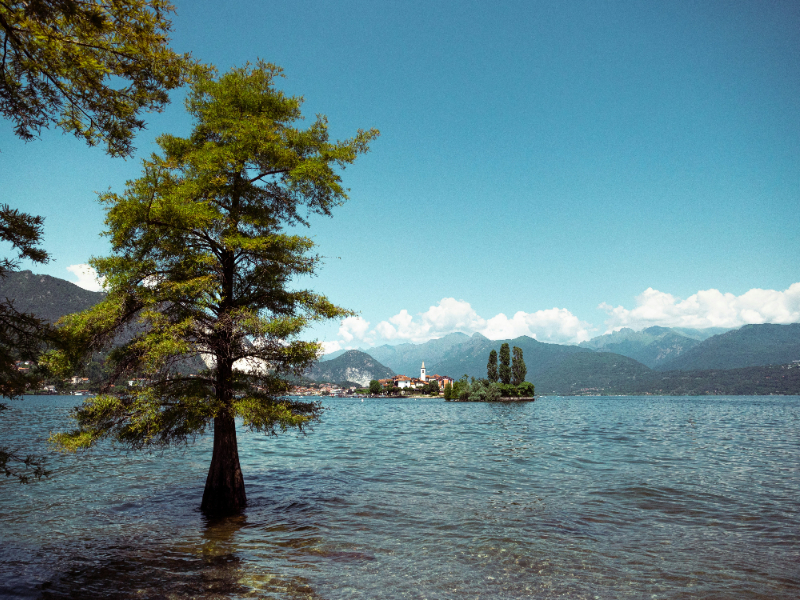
{"points": [[622, 497]]}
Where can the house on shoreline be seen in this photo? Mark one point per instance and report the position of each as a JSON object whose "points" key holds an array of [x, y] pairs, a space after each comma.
{"points": [[404, 382]]}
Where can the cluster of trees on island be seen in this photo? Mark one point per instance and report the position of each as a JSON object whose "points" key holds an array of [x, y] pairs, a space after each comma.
{"points": [[506, 380]]}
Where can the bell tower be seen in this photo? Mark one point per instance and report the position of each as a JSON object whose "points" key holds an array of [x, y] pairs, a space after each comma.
{"points": [[422, 372]]}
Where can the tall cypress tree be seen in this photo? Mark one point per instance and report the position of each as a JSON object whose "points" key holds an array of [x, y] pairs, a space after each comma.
{"points": [[518, 369], [505, 364], [204, 258], [491, 368]]}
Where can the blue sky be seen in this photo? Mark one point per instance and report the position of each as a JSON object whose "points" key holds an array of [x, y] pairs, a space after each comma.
{"points": [[554, 169]]}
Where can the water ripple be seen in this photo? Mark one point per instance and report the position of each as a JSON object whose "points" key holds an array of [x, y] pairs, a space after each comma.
{"points": [[596, 498]]}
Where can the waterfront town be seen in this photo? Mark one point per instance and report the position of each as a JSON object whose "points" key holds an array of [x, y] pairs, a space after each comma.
{"points": [[402, 382]]}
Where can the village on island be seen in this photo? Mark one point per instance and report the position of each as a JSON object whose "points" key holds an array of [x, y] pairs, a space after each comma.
{"points": [[504, 382], [424, 384]]}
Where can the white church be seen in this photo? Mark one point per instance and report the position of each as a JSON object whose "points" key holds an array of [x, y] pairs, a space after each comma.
{"points": [[402, 381]]}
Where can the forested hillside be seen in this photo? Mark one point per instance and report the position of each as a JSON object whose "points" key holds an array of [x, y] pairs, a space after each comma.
{"points": [[750, 346], [49, 298]]}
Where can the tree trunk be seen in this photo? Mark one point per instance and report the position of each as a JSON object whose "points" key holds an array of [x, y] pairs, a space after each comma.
{"points": [[224, 493]]}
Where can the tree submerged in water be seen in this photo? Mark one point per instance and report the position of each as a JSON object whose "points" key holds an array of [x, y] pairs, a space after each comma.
{"points": [[201, 266]]}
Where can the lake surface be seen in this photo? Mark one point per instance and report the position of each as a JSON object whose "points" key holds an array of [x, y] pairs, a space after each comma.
{"points": [[591, 498]]}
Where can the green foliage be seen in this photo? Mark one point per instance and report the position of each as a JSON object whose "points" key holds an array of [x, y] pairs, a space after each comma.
{"points": [[448, 391], [432, 388], [22, 467], [505, 361], [21, 335], [461, 389], [90, 67], [201, 266], [491, 367], [508, 390], [374, 387], [484, 391], [518, 369], [526, 389]]}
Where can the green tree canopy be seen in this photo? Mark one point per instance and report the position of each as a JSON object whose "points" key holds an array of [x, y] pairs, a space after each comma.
{"points": [[91, 67], [518, 369], [505, 364], [374, 387], [21, 334], [491, 367], [202, 265]]}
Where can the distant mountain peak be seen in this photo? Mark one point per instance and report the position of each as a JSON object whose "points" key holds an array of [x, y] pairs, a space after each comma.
{"points": [[353, 365], [45, 296]]}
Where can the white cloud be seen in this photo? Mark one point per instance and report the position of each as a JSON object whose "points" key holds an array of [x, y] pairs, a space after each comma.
{"points": [[707, 308], [353, 328], [87, 277], [451, 315], [555, 325], [334, 346]]}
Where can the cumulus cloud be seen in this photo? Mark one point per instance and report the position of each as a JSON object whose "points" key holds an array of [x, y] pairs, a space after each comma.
{"points": [[353, 328], [451, 315], [334, 346], [707, 308], [555, 325], [87, 277]]}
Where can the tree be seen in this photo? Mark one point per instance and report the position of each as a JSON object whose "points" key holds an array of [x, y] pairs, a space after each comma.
{"points": [[505, 359], [461, 388], [374, 387], [90, 67], [448, 391], [518, 369], [202, 263], [21, 334], [491, 367], [433, 388], [526, 389]]}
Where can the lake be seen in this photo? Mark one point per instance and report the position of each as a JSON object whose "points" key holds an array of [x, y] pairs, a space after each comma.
{"points": [[596, 498]]}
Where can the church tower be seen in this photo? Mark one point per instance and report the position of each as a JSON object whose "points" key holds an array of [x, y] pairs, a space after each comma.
{"points": [[422, 372]]}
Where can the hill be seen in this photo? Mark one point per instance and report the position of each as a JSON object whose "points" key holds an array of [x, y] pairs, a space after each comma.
{"points": [[652, 346], [750, 346], [407, 358], [592, 373], [353, 365], [49, 298], [612, 374], [458, 354]]}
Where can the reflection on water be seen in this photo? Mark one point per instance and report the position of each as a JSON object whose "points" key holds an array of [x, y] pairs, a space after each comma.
{"points": [[563, 498]]}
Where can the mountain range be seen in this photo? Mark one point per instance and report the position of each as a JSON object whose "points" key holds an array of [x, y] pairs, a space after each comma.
{"points": [[654, 346], [754, 359]]}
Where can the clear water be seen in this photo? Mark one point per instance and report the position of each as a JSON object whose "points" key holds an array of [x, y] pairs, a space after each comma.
{"points": [[563, 498]]}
